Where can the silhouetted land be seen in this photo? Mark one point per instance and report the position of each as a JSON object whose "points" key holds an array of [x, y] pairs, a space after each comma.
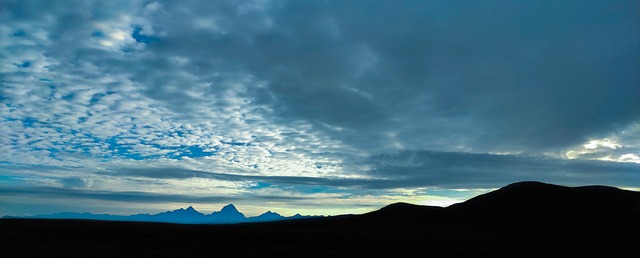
{"points": [[526, 219]]}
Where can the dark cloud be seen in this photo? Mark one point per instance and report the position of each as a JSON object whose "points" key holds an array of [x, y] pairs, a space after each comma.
{"points": [[487, 76], [178, 173], [516, 76], [479, 170], [127, 196], [407, 169]]}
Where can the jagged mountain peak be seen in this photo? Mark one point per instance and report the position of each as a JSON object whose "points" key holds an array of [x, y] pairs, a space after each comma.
{"points": [[189, 209], [229, 208], [228, 214], [267, 216]]}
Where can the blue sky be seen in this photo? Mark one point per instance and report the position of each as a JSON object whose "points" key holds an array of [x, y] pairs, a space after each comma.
{"points": [[316, 107]]}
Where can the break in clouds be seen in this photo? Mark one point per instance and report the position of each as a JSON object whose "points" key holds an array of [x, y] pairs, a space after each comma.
{"points": [[300, 103]]}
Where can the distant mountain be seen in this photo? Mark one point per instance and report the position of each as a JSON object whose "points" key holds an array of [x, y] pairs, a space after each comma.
{"points": [[266, 217], [228, 215], [186, 216]]}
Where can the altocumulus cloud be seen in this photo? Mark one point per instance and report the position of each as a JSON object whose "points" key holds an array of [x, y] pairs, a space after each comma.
{"points": [[300, 103]]}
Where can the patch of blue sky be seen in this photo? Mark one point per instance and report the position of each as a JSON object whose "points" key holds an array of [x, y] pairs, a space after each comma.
{"points": [[260, 185], [97, 34], [189, 152], [142, 38], [68, 97], [84, 148], [8, 119], [66, 130], [53, 151], [57, 146], [24, 64], [11, 180], [19, 33], [179, 133], [87, 148], [121, 150], [196, 152], [176, 152], [29, 122], [96, 97]]}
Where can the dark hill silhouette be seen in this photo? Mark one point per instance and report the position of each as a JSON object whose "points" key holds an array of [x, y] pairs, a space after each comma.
{"points": [[527, 204], [548, 203], [527, 198], [401, 212], [527, 219]]}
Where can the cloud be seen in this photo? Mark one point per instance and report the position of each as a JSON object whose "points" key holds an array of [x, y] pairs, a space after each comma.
{"points": [[377, 81], [481, 170], [538, 83], [619, 147], [124, 196], [386, 172]]}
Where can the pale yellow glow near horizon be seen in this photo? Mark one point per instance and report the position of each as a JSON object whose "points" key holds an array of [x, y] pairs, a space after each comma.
{"points": [[322, 206]]}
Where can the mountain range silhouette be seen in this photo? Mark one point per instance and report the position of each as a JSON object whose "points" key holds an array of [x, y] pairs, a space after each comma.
{"points": [[229, 214], [526, 219]]}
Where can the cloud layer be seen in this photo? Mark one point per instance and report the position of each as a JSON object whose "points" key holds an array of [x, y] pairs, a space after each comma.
{"points": [[217, 101]]}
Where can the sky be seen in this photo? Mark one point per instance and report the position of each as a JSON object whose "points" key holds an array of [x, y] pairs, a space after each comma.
{"points": [[311, 107]]}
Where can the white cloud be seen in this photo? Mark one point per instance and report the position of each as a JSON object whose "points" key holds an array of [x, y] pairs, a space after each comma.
{"points": [[593, 144], [630, 157], [621, 146]]}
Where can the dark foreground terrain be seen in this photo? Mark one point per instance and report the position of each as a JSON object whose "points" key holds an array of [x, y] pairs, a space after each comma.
{"points": [[520, 220]]}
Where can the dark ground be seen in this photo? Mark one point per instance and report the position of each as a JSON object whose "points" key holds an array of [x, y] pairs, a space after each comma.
{"points": [[572, 226], [346, 237]]}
